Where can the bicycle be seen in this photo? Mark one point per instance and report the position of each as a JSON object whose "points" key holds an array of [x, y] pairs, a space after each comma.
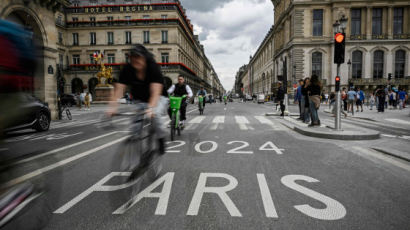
{"points": [[138, 156], [67, 112], [175, 104], [226, 100], [201, 104]]}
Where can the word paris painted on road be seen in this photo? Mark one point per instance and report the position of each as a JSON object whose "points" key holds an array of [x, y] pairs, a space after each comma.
{"points": [[333, 210], [238, 147]]}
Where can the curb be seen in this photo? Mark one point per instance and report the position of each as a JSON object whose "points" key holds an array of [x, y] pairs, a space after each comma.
{"points": [[391, 154], [338, 136]]}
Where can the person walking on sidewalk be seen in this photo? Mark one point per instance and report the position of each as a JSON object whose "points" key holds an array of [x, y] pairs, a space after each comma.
{"points": [[381, 96], [402, 98], [314, 91], [305, 101], [87, 101], [351, 97], [344, 98], [298, 98], [360, 100], [281, 98], [372, 101]]}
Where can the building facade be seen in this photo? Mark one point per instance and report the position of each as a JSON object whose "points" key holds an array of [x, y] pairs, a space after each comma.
{"points": [[377, 44], [72, 31]]}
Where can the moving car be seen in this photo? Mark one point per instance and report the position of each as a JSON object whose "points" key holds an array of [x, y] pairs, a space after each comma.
{"points": [[34, 115], [261, 98]]}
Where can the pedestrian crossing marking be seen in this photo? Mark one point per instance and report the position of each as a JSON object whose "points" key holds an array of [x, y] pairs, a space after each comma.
{"points": [[268, 122], [243, 123], [197, 120], [217, 120], [398, 121]]}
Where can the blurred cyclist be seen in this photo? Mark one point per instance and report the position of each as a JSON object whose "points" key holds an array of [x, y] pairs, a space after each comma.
{"points": [[180, 89], [143, 76], [202, 92]]}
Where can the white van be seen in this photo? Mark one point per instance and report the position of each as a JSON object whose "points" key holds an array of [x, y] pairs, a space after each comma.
{"points": [[261, 98]]}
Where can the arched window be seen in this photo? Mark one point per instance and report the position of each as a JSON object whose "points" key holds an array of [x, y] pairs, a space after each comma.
{"points": [[378, 64], [399, 63], [317, 64], [357, 64]]}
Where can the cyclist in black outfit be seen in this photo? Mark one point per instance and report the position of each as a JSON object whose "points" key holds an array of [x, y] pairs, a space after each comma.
{"points": [[180, 89]]}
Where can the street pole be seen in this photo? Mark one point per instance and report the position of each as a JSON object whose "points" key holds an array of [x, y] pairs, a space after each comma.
{"points": [[338, 123]]}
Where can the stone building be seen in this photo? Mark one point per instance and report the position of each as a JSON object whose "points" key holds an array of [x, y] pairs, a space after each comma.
{"points": [[378, 41], [69, 32]]}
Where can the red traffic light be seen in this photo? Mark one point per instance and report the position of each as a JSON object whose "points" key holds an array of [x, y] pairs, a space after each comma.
{"points": [[339, 37], [337, 79]]}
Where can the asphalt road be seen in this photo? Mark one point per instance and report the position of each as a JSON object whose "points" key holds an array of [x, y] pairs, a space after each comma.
{"points": [[232, 168]]}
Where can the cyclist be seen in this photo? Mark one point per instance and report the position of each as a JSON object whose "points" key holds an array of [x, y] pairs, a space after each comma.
{"points": [[180, 89], [202, 92], [143, 76]]}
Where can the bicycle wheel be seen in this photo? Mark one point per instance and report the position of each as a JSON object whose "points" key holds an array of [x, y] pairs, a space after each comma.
{"points": [[68, 113], [173, 122]]}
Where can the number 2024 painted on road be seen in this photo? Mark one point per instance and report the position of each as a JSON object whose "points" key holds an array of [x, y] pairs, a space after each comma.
{"points": [[241, 149]]}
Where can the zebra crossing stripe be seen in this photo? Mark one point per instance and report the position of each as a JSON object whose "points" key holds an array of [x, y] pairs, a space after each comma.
{"points": [[398, 121], [217, 120], [268, 122], [243, 123]]}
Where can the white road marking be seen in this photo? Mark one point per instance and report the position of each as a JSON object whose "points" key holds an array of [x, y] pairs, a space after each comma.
{"points": [[398, 121], [268, 122], [217, 120], [62, 148], [197, 120], [243, 123], [405, 137], [75, 124], [212, 149], [201, 188], [270, 209], [191, 111], [61, 163], [371, 153], [388, 135], [269, 146]]}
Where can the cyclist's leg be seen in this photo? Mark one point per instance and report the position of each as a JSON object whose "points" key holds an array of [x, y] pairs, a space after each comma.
{"points": [[183, 111], [160, 123]]}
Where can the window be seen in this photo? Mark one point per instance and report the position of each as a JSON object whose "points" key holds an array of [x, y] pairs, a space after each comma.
{"points": [[356, 21], [92, 21], [59, 19], [93, 38], [164, 16], [145, 17], [75, 21], [378, 64], [377, 21], [61, 60], [60, 37], [76, 59], [146, 37], [399, 64], [398, 21], [317, 64], [164, 36], [357, 64], [75, 39], [110, 19], [128, 18], [165, 57], [110, 38], [317, 22], [127, 37], [127, 58], [111, 58], [92, 60]]}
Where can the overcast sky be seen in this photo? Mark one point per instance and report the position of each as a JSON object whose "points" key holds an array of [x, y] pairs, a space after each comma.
{"points": [[230, 30]]}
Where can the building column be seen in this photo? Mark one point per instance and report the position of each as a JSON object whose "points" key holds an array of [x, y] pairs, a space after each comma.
{"points": [[390, 22], [389, 63], [369, 23], [367, 64]]}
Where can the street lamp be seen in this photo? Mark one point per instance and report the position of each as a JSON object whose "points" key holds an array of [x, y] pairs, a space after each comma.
{"points": [[349, 63]]}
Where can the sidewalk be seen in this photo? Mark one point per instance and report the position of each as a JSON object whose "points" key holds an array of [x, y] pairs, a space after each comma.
{"points": [[326, 131]]}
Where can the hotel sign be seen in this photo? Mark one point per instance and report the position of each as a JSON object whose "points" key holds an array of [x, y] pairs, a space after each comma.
{"points": [[96, 10]]}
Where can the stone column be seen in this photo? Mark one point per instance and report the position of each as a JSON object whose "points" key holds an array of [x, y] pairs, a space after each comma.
{"points": [[390, 22], [367, 65], [369, 23], [388, 65]]}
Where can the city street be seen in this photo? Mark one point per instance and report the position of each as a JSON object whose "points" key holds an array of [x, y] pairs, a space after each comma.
{"points": [[232, 168]]}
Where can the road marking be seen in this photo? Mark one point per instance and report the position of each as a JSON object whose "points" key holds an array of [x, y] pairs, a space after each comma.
{"points": [[61, 163], [197, 120], [243, 123], [388, 135], [217, 120], [269, 146], [191, 111], [366, 152], [267, 201], [74, 124], [201, 189], [268, 122], [398, 121]]}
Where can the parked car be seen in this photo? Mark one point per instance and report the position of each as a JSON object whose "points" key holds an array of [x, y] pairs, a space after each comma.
{"points": [[68, 100], [34, 114], [248, 97], [261, 98]]}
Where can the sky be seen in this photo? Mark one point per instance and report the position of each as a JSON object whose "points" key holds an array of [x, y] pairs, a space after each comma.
{"points": [[230, 30]]}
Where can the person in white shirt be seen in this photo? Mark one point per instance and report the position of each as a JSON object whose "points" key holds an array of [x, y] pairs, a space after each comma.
{"points": [[178, 90]]}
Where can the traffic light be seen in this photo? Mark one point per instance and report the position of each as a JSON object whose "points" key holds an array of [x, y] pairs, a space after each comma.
{"points": [[337, 84], [390, 76], [340, 39]]}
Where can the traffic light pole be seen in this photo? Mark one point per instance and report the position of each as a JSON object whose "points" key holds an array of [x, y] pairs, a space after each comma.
{"points": [[338, 122]]}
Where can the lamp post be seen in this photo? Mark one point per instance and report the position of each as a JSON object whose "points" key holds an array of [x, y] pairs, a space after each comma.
{"points": [[339, 29]]}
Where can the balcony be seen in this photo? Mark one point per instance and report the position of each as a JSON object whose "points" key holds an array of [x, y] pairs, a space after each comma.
{"points": [[381, 81], [379, 36], [401, 36], [358, 37]]}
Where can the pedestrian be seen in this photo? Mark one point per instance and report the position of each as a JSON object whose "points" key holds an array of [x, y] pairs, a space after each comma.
{"points": [[79, 101], [372, 101], [333, 103], [314, 90], [327, 98], [281, 97], [360, 100], [381, 95], [344, 99], [87, 101], [351, 98], [305, 101], [402, 98], [298, 98]]}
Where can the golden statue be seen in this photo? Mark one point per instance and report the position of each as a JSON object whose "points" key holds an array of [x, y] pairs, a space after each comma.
{"points": [[105, 74]]}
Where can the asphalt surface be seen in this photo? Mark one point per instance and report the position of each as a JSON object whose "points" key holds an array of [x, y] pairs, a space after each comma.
{"points": [[232, 168]]}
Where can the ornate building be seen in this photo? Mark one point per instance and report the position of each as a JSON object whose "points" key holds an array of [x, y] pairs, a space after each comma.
{"points": [[378, 41], [71, 31]]}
